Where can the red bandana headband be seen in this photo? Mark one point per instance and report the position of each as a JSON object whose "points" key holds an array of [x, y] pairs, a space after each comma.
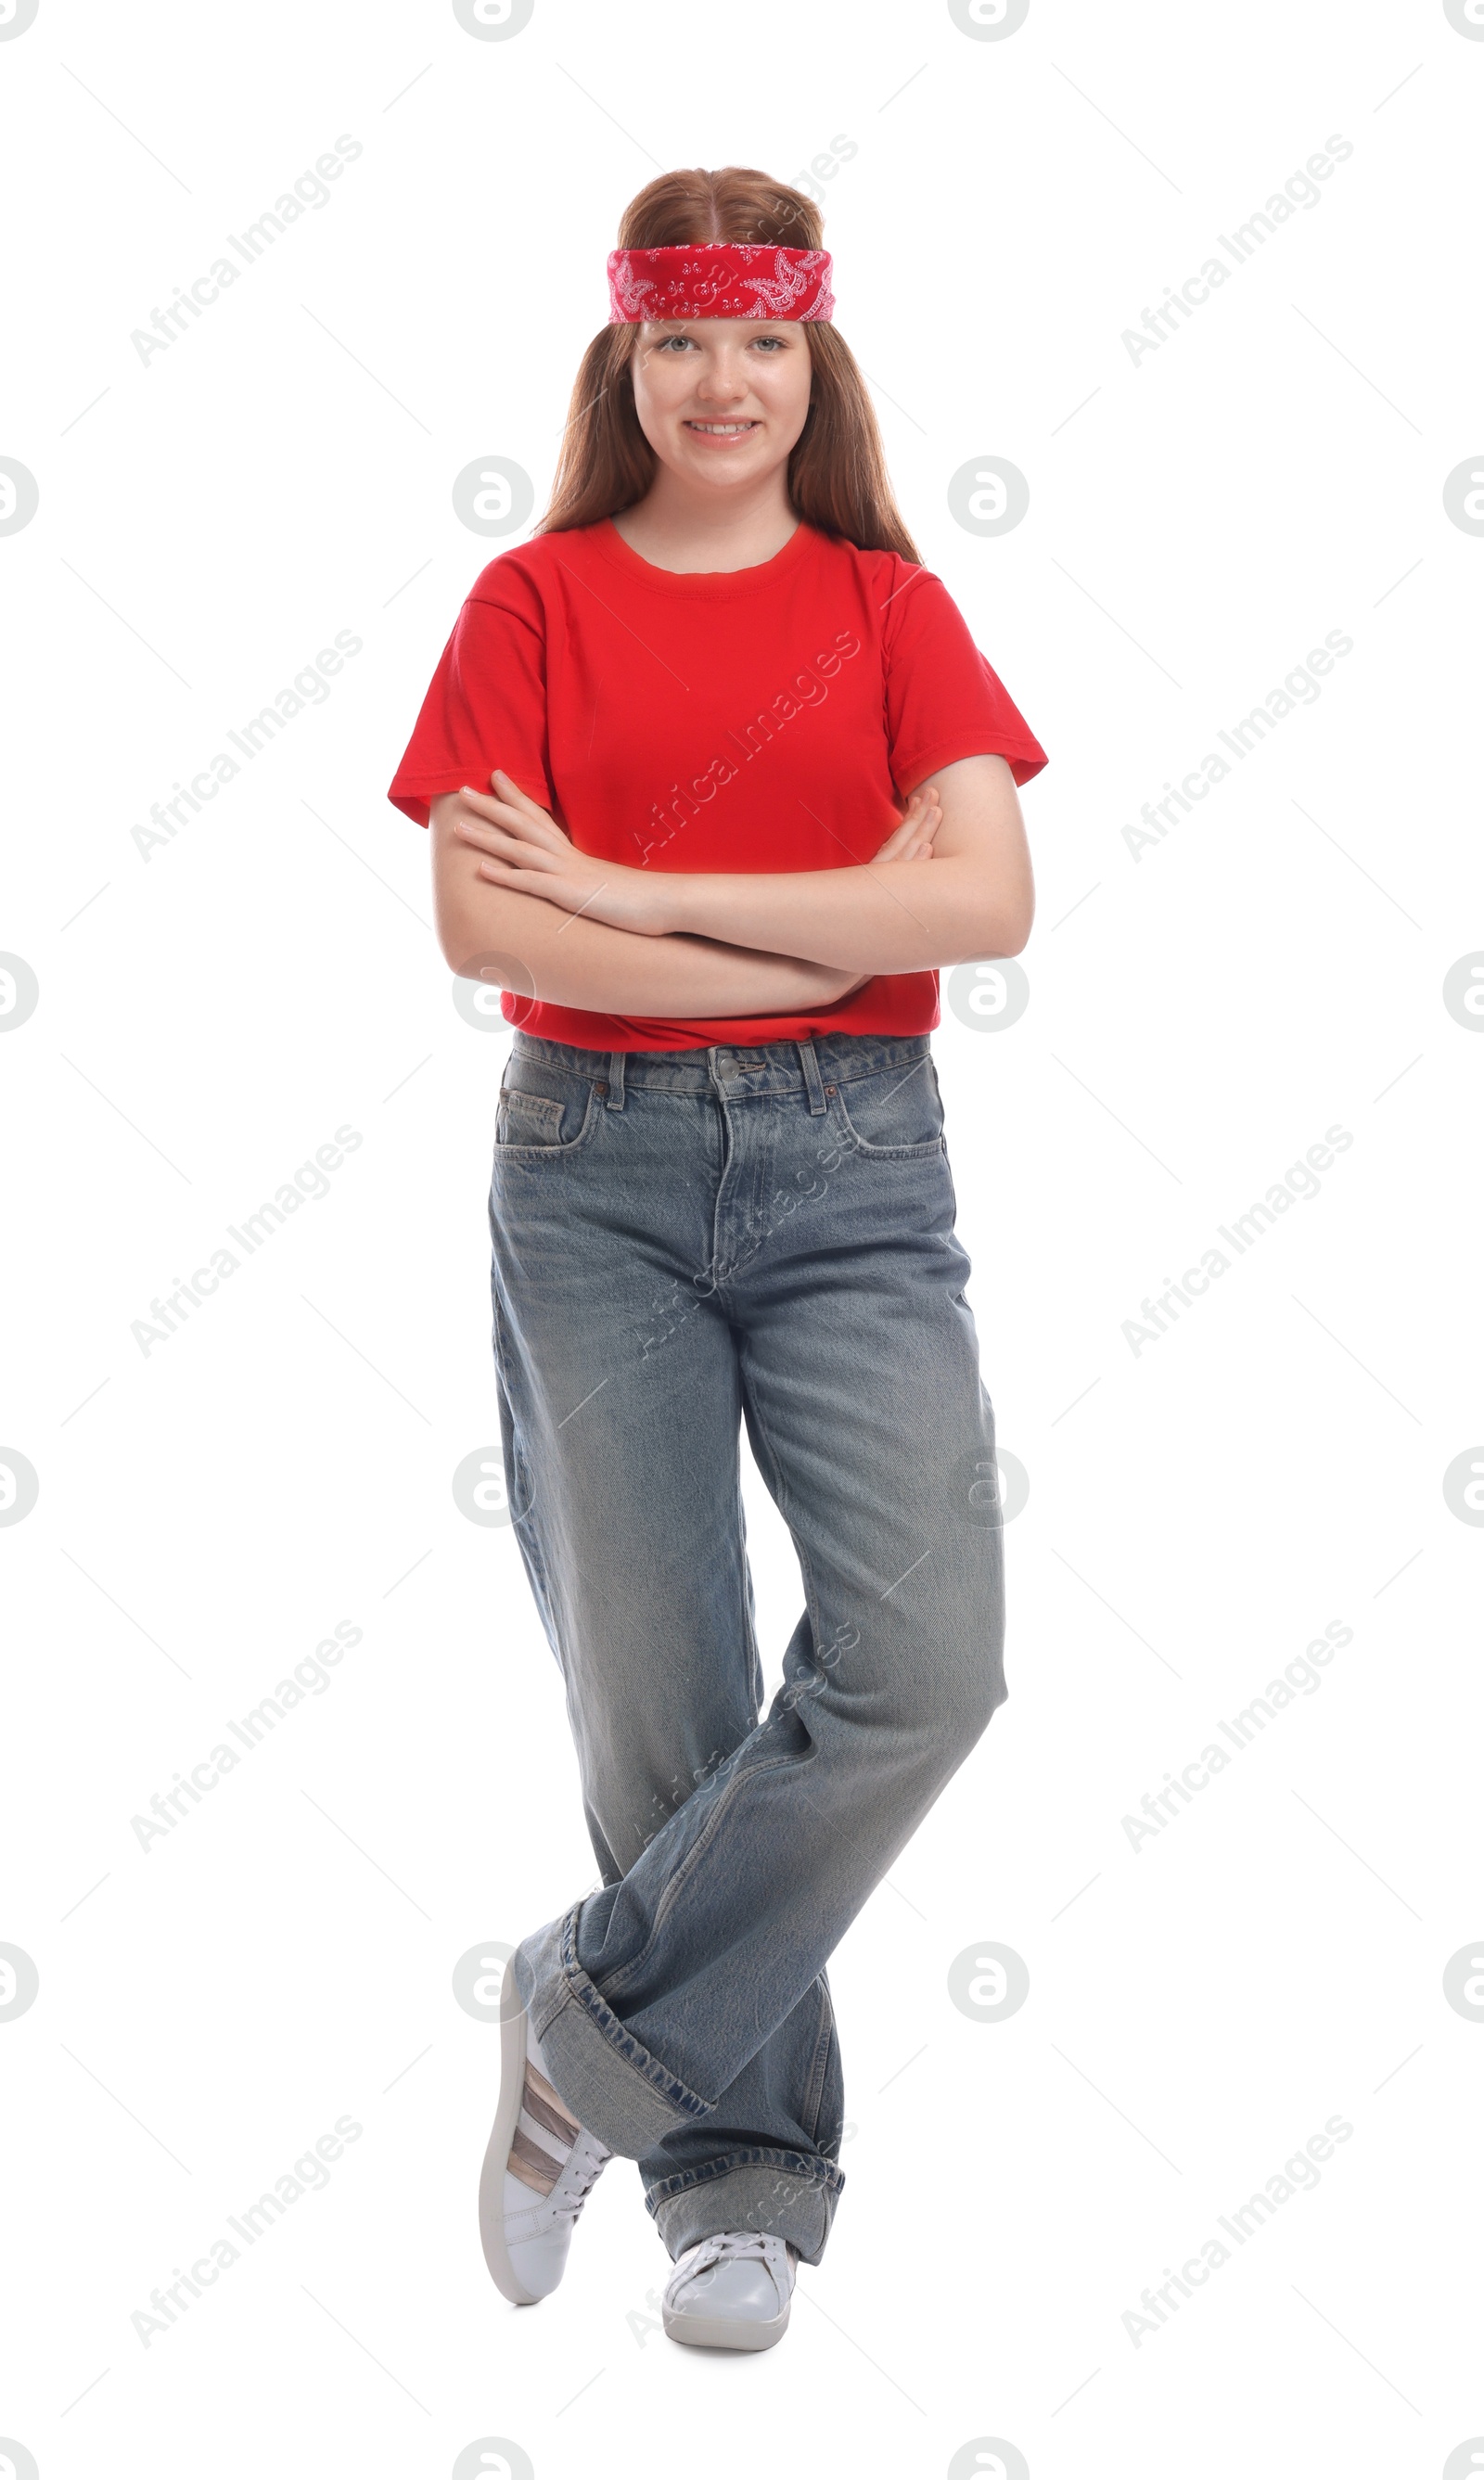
{"points": [[720, 279]]}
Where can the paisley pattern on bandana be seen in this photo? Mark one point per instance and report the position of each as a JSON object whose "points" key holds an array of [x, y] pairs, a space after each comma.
{"points": [[715, 280]]}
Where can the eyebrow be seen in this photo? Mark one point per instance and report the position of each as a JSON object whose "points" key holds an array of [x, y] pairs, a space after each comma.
{"points": [[676, 326]]}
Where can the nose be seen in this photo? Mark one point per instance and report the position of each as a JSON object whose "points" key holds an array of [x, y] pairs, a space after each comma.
{"points": [[724, 380]]}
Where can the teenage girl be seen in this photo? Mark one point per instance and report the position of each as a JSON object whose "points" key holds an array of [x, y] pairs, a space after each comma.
{"points": [[716, 778]]}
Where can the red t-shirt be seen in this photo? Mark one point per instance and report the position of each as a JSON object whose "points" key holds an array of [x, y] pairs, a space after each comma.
{"points": [[766, 718]]}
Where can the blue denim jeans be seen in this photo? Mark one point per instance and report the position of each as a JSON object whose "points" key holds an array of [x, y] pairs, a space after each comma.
{"points": [[684, 1241]]}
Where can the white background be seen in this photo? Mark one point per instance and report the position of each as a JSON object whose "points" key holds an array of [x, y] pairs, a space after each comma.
{"points": [[1198, 1018]]}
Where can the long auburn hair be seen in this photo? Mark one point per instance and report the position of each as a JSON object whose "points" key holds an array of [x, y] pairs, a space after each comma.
{"points": [[837, 476]]}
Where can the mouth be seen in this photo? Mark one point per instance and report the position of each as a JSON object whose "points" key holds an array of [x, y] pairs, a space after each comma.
{"points": [[721, 434]]}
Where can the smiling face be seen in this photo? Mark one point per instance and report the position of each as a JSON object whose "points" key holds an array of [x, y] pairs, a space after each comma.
{"points": [[722, 401]]}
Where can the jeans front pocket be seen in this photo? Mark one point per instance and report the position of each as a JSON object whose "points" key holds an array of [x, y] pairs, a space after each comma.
{"points": [[892, 1114]]}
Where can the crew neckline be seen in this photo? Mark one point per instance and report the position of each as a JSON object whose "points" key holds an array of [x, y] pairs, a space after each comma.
{"points": [[710, 584]]}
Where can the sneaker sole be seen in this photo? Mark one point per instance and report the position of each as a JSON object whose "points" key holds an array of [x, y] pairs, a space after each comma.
{"points": [[726, 2333], [497, 2152]]}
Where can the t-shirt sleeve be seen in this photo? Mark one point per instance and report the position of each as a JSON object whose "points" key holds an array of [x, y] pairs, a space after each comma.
{"points": [[485, 705], [943, 702]]}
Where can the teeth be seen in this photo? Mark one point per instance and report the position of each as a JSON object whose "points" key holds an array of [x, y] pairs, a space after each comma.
{"points": [[726, 428]]}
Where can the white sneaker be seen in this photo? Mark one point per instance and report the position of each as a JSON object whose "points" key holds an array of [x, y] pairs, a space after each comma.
{"points": [[731, 2292], [539, 2166]]}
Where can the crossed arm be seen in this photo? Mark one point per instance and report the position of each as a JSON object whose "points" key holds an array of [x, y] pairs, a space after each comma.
{"points": [[951, 882]]}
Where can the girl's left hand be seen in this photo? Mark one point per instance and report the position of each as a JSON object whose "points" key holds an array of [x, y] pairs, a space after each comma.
{"points": [[525, 850]]}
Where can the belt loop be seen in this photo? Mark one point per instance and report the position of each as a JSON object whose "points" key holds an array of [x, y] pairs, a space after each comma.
{"points": [[812, 1077], [616, 1080]]}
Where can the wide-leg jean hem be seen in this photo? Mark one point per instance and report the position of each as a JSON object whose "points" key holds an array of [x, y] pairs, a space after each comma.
{"points": [[754, 2187], [626, 2096]]}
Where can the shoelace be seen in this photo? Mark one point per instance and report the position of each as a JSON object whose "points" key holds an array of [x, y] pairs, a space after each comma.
{"points": [[598, 2158], [723, 2246]]}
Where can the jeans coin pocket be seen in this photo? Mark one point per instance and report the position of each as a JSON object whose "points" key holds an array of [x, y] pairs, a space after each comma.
{"points": [[534, 1123]]}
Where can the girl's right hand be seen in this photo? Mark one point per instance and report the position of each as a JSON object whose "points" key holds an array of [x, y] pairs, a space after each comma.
{"points": [[912, 839]]}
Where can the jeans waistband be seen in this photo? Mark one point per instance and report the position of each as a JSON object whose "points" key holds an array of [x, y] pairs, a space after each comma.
{"points": [[752, 1068]]}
